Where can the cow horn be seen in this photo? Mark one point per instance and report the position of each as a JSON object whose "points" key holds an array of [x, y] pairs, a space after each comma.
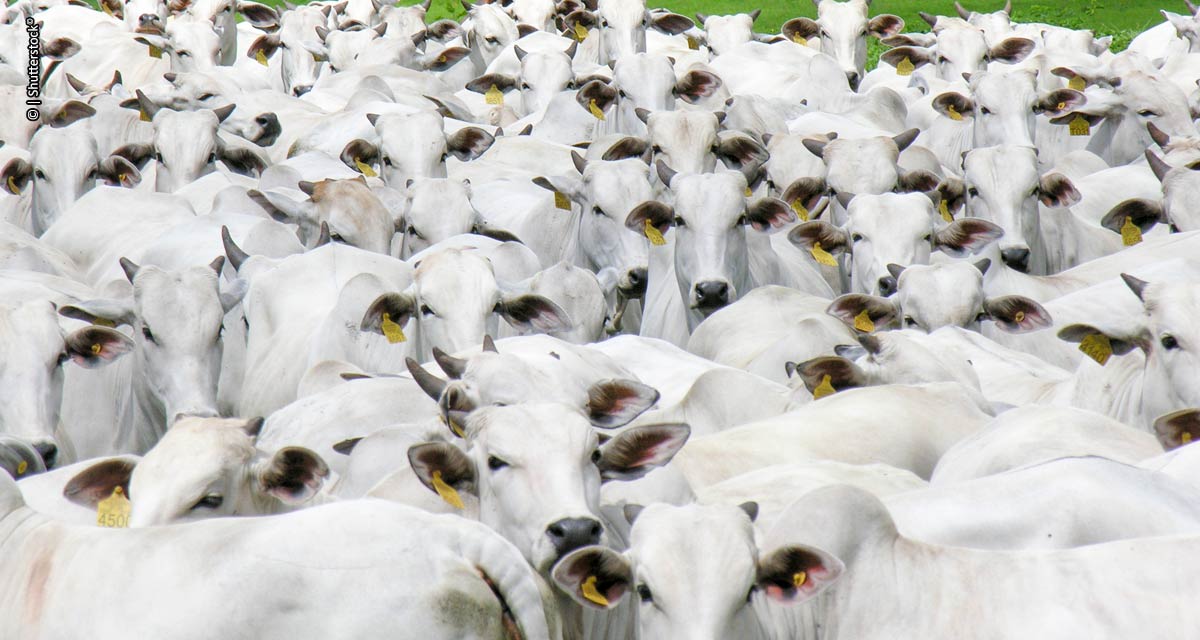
{"points": [[432, 385], [453, 367], [236, 256], [489, 344]]}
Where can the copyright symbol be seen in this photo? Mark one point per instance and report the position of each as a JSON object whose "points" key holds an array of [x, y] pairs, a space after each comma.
{"points": [[32, 115]]}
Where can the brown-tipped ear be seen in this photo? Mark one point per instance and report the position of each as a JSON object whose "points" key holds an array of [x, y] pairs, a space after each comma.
{"points": [[661, 217], [243, 161], [672, 23], [919, 180], [1011, 50], [97, 482], [1099, 342], [294, 475], [399, 308], [17, 174], [95, 346], [359, 150], [803, 194], [807, 235], [138, 154], [950, 103], [1059, 101], [847, 308], [884, 25], [769, 215], [534, 313], [627, 147], [70, 112], [964, 236], [1142, 213], [602, 93], [741, 150], [452, 467], [798, 29], [485, 82], [954, 193], [1056, 190], [595, 577], [636, 451], [469, 143], [697, 84], [615, 403], [917, 56], [116, 171], [447, 58], [797, 573], [1017, 314], [1178, 428], [841, 373]]}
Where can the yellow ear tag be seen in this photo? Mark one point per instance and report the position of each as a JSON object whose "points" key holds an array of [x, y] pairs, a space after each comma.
{"points": [[1076, 83], [581, 32], [655, 236], [824, 389], [801, 211], [441, 59], [596, 112], [494, 96], [446, 491], [453, 426], [104, 322], [12, 185], [1080, 126], [143, 116], [1130, 233], [113, 511], [23, 466], [863, 322], [392, 330], [365, 168], [822, 256], [155, 52], [589, 591], [1019, 317], [121, 178], [1097, 347], [944, 209], [953, 113], [799, 39], [1184, 438], [748, 192], [562, 201], [261, 57], [107, 9], [800, 577], [1061, 106], [905, 68], [96, 349], [692, 44]]}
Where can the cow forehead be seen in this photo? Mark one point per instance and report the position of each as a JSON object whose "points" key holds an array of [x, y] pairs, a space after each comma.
{"points": [[671, 542], [890, 212], [946, 277], [841, 14], [507, 378], [667, 125], [1005, 164], [32, 326], [181, 296], [527, 431], [454, 276], [182, 126], [623, 13], [621, 181], [199, 443], [50, 143], [710, 197], [1174, 307], [999, 88], [407, 133], [641, 66]]}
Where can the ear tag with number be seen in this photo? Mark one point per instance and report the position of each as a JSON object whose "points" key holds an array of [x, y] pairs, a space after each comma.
{"points": [[905, 67], [113, 511]]}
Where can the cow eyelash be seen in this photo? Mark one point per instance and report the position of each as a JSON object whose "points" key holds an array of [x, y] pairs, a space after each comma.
{"points": [[209, 502], [644, 594], [148, 335], [495, 464], [425, 310]]}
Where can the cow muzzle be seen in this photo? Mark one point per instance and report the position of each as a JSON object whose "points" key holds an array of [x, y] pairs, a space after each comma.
{"points": [[1016, 258], [634, 284], [570, 534], [710, 295]]}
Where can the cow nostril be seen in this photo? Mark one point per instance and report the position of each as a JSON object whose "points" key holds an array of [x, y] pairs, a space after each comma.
{"points": [[301, 89], [556, 530], [887, 286], [1016, 258], [570, 534], [48, 451]]}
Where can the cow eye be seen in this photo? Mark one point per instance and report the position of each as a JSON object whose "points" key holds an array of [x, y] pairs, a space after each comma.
{"points": [[856, 237], [1146, 113], [337, 237], [909, 322], [491, 40], [597, 210], [973, 192], [644, 594], [92, 174], [656, 149], [147, 334], [206, 96], [209, 502], [426, 310], [184, 54], [985, 111], [495, 463], [928, 237], [39, 174], [750, 593], [1169, 342], [596, 454], [981, 316], [212, 157], [680, 222], [387, 161]]}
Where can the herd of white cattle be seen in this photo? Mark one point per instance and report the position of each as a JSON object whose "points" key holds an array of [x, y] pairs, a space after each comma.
{"points": [[588, 320]]}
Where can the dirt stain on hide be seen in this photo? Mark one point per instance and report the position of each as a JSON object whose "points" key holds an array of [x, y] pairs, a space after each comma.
{"points": [[35, 587]]}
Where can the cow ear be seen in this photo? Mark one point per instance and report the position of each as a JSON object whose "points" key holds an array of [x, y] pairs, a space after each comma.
{"points": [[917, 181], [807, 235], [60, 48], [93, 347], [293, 475], [1059, 101], [968, 235], [283, 207], [71, 112], [884, 25], [954, 193], [661, 216], [1119, 344], [849, 307], [797, 573], [672, 23], [841, 373], [106, 312], [1017, 314], [446, 58], [1011, 50], [1178, 428], [769, 215], [805, 192], [469, 143], [951, 103], [359, 151], [443, 468], [627, 147], [17, 174], [697, 84], [115, 8], [601, 92], [741, 150], [804, 28], [137, 153], [243, 161], [533, 313], [1056, 190], [570, 186], [116, 171], [919, 57], [398, 308], [260, 16], [615, 403], [636, 451], [1142, 213], [97, 482], [594, 576], [484, 83]]}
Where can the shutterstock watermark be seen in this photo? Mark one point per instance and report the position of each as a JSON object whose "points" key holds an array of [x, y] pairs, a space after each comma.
{"points": [[33, 73]]}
